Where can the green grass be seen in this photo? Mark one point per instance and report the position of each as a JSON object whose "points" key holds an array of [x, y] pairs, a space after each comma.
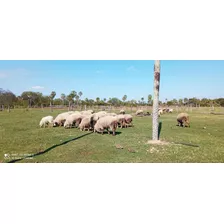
{"points": [[20, 135]]}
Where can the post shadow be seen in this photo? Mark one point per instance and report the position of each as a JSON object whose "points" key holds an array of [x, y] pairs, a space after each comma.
{"points": [[159, 129], [50, 148]]}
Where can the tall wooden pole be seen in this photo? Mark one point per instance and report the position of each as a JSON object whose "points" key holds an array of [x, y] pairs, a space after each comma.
{"points": [[155, 123]]}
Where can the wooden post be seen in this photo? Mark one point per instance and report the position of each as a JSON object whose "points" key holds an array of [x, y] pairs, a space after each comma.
{"points": [[155, 123]]}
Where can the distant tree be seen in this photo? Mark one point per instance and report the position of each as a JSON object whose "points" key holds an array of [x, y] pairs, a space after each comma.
{"points": [[149, 99], [19, 101], [2, 99], [105, 100], [142, 99], [197, 102], [70, 98], [86, 101], [63, 97], [166, 100], [32, 98], [115, 101], [133, 102], [220, 101], [186, 100], [174, 101], [80, 94], [124, 98], [52, 95], [97, 100], [206, 102], [169, 103], [26, 96], [82, 102], [77, 99], [101, 102], [192, 101], [38, 99], [57, 101], [91, 102], [7, 98], [180, 101], [44, 100]]}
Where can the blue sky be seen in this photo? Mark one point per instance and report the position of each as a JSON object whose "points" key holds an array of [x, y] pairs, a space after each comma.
{"points": [[113, 78]]}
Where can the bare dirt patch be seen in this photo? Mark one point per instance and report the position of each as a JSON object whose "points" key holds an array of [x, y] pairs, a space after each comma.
{"points": [[157, 142]]}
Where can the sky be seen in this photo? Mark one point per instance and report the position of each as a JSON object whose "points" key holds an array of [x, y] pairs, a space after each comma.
{"points": [[111, 78]]}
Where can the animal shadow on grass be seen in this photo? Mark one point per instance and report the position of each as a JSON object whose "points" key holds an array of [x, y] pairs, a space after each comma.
{"points": [[48, 149], [116, 133], [159, 129]]}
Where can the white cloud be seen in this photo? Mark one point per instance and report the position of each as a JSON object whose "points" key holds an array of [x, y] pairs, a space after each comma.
{"points": [[131, 68], [37, 87]]}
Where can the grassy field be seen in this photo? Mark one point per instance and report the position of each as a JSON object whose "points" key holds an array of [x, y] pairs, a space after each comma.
{"points": [[23, 141]]}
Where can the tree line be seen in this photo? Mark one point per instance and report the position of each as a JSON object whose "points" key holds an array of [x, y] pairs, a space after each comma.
{"points": [[36, 99]]}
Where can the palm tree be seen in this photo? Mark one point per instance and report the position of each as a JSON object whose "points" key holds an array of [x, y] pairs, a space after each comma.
{"points": [[124, 98], [63, 98], [149, 99], [53, 94], [97, 100], [80, 94], [155, 123], [29, 100], [142, 99], [77, 99], [71, 97], [186, 100]]}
